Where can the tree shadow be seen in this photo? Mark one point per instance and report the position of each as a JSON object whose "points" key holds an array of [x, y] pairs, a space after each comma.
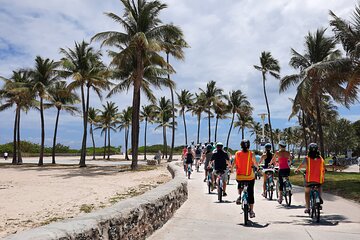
{"points": [[325, 220], [224, 201]]}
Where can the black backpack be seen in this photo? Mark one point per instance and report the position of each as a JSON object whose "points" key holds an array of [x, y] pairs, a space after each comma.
{"points": [[189, 157], [197, 151]]}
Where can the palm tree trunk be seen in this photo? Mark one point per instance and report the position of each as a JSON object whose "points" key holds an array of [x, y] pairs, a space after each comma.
{"points": [[319, 126], [209, 125], [268, 110], [19, 158], [165, 143], [304, 130], [14, 160], [231, 125], [55, 132], [136, 111], [216, 127], [83, 156], [83, 105], [92, 138], [146, 120], [108, 157], [126, 143], [104, 154], [198, 128], [186, 141], [242, 133], [41, 158], [173, 112]]}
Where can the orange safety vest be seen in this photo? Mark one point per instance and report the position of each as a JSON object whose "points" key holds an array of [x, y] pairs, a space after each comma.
{"points": [[243, 161], [315, 170]]}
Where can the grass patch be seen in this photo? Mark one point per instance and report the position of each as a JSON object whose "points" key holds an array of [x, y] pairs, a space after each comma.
{"points": [[86, 208], [346, 185], [132, 192], [50, 220]]}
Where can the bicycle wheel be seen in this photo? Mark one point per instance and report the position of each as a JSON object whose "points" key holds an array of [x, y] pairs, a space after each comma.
{"points": [[219, 194], [277, 189], [271, 192], [209, 187], [189, 173], [246, 213], [312, 205], [288, 197], [317, 212]]}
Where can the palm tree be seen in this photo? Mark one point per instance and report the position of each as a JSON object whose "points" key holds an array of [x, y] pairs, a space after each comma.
{"points": [[197, 109], [221, 111], [93, 120], [44, 77], [147, 115], [139, 47], [173, 45], [109, 115], [268, 65], [163, 114], [243, 121], [185, 99], [104, 130], [312, 82], [212, 94], [125, 121], [83, 64], [62, 99], [237, 103], [17, 91], [256, 130]]}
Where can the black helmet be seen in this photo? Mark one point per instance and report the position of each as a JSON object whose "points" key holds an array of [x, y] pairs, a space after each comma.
{"points": [[313, 147], [208, 147], [245, 144], [189, 147], [268, 146]]}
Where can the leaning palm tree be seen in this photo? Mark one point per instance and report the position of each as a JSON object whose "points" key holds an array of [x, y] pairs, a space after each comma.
{"points": [[147, 115], [312, 81], [93, 120], [197, 109], [44, 77], [212, 94], [138, 43], [237, 103], [61, 98], [83, 64], [185, 99], [124, 122], [163, 115], [173, 45], [268, 65], [243, 121], [221, 110], [17, 90]]}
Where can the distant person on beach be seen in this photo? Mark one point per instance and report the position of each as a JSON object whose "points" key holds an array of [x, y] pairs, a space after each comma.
{"points": [[5, 155], [158, 156]]}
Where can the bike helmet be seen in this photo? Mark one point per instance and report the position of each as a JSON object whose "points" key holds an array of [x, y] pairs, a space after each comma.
{"points": [[219, 145], [268, 146], [245, 144], [282, 143], [313, 147], [189, 147], [208, 147]]}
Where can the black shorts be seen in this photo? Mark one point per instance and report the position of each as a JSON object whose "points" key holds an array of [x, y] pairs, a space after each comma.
{"points": [[189, 161]]}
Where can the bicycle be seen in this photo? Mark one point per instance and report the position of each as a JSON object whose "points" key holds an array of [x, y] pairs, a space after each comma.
{"points": [[245, 206], [269, 183], [209, 180], [189, 170], [228, 176], [197, 164], [219, 183], [287, 190]]}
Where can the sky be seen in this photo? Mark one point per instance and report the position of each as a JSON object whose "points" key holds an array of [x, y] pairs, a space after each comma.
{"points": [[226, 39]]}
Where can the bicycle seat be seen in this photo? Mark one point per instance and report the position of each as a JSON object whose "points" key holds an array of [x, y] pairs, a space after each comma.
{"points": [[266, 170], [313, 184]]}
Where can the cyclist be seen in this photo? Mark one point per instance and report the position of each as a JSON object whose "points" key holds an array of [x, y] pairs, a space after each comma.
{"points": [[206, 158], [282, 158], [266, 157], [189, 158], [315, 171], [220, 160], [197, 156], [244, 162]]}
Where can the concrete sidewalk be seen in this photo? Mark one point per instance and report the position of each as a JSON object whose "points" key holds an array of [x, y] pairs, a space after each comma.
{"points": [[202, 217]]}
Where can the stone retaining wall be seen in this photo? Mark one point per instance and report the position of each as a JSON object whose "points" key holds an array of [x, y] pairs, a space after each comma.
{"points": [[134, 218]]}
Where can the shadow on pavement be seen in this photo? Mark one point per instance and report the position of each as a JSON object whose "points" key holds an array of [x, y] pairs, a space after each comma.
{"points": [[290, 207], [252, 224], [224, 201]]}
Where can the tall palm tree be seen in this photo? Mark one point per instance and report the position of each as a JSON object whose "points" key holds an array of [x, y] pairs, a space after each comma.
{"points": [[163, 114], [197, 109], [212, 94], [109, 115], [185, 99], [243, 121], [139, 46], [104, 130], [83, 64], [173, 46], [93, 120], [61, 98], [237, 103], [17, 90], [44, 77], [147, 115], [125, 122], [221, 110], [312, 82], [256, 130], [268, 65]]}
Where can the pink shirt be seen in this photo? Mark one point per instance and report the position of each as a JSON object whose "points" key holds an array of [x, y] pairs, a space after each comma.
{"points": [[283, 163]]}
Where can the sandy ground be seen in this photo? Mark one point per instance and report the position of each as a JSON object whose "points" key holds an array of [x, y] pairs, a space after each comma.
{"points": [[31, 196]]}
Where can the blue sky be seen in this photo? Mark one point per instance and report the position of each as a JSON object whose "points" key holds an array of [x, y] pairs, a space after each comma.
{"points": [[226, 39]]}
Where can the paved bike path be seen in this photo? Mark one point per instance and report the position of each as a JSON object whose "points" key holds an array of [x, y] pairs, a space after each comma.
{"points": [[202, 217]]}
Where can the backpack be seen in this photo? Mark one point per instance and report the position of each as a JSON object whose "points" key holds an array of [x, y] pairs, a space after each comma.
{"points": [[189, 157], [197, 151]]}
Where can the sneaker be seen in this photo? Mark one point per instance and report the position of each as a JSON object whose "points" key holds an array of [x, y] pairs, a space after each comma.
{"points": [[204, 179], [252, 214], [212, 187], [264, 195], [307, 210], [321, 201], [238, 200], [280, 200], [224, 194]]}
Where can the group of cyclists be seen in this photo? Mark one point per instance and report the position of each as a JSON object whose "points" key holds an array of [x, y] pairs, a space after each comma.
{"points": [[217, 160]]}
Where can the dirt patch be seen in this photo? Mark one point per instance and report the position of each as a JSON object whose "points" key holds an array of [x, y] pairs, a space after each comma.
{"points": [[33, 196]]}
